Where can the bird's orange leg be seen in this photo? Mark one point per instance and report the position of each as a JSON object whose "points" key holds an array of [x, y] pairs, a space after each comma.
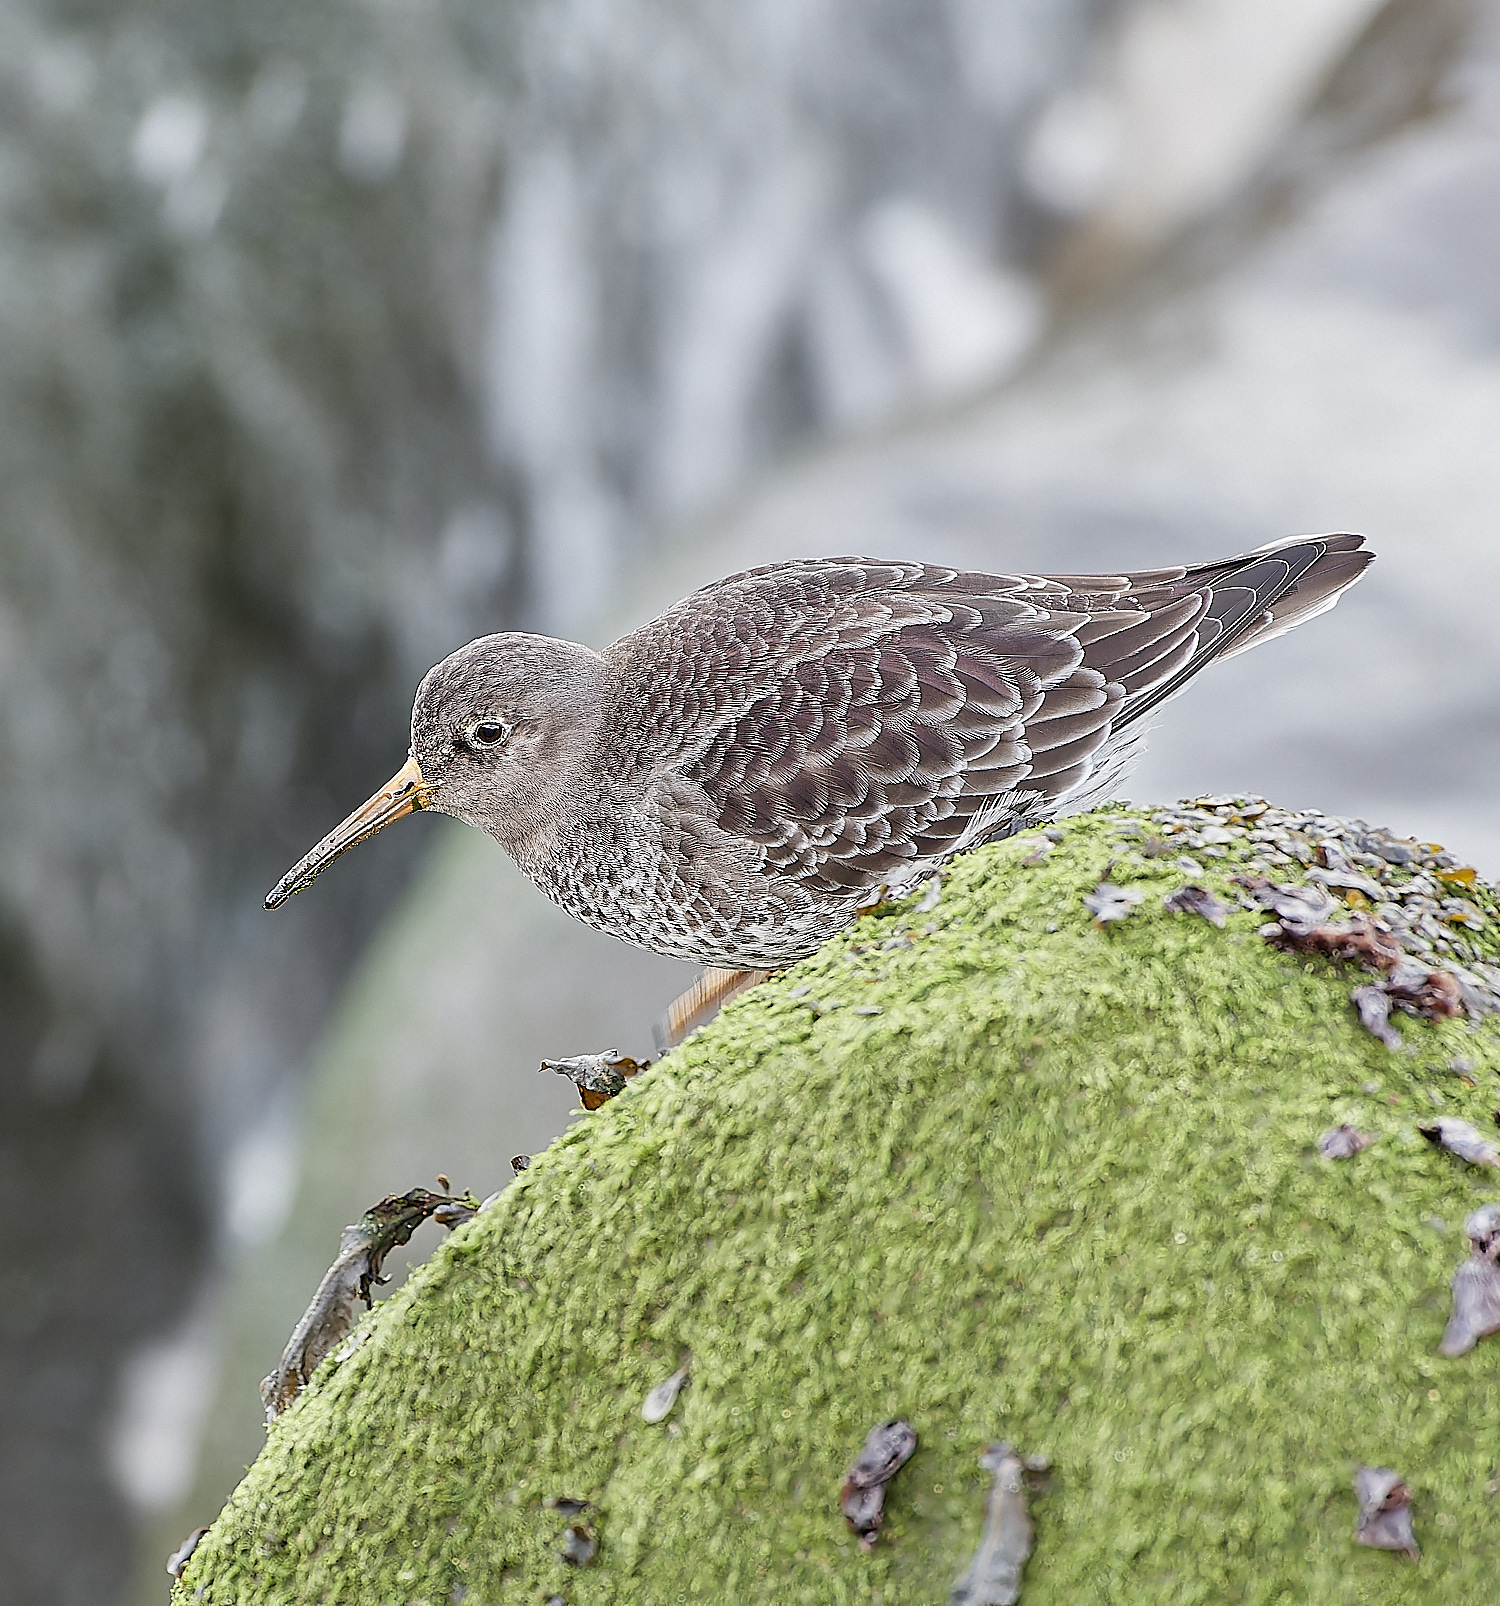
{"points": [[701, 1002]]}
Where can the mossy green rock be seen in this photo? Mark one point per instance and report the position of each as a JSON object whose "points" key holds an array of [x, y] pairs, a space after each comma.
{"points": [[991, 1167]]}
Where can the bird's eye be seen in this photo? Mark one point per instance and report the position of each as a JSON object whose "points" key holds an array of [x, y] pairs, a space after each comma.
{"points": [[488, 733]]}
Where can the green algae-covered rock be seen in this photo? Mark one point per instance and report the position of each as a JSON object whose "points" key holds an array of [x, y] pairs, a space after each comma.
{"points": [[984, 1164]]}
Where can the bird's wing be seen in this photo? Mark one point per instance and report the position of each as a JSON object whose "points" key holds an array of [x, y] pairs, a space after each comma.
{"points": [[855, 718]]}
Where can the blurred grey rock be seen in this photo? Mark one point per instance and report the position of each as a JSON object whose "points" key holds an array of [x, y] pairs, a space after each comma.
{"points": [[234, 427]]}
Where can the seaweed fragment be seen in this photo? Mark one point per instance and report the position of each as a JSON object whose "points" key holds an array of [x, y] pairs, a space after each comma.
{"points": [[1299, 910], [1402, 946], [330, 1315], [566, 1505], [184, 1553], [993, 1577], [658, 1404], [580, 1544], [1433, 994], [930, 898], [1373, 1003], [1108, 902], [1356, 939], [887, 1449], [1476, 1285], [1343, 1142], [1195, 900], [598, 1077], [1336, 871], [1418, 897], [1384, 1511], [1460, 1138]]}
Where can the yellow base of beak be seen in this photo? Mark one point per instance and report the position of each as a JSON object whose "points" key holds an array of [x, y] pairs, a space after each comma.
{"points": [[404, 793]]}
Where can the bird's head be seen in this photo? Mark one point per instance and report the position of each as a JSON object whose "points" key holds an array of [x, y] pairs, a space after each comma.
{"points": [[500, 730]]}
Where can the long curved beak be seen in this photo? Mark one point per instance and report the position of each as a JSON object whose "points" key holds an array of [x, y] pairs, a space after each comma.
{"points": [[404, 793]]}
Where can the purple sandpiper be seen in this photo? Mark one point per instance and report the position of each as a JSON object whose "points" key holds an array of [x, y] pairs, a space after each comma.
{"points": [[732, 782]]}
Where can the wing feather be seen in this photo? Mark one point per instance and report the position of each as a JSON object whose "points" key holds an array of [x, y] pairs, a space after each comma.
{"points": [[853, 717]]}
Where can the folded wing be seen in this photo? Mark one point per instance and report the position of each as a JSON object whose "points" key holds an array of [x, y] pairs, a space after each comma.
{"points": [[855, 719]]}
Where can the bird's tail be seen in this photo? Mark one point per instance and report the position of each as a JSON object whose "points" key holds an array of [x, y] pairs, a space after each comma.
{"points": [[1315, 589], [1258, 596]]}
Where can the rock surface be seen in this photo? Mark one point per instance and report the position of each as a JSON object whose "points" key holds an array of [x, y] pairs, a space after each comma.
{"points": [[991, 1168]]}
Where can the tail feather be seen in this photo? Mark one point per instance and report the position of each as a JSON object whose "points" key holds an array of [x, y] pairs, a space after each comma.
{"points": [[1345, 559], [1254, 598]]}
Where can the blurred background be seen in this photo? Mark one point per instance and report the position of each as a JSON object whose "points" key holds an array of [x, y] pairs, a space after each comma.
{"points": [[332, 336]]}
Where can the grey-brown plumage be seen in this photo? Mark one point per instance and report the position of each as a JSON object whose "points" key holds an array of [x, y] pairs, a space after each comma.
{"points": [[730, 782]]}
